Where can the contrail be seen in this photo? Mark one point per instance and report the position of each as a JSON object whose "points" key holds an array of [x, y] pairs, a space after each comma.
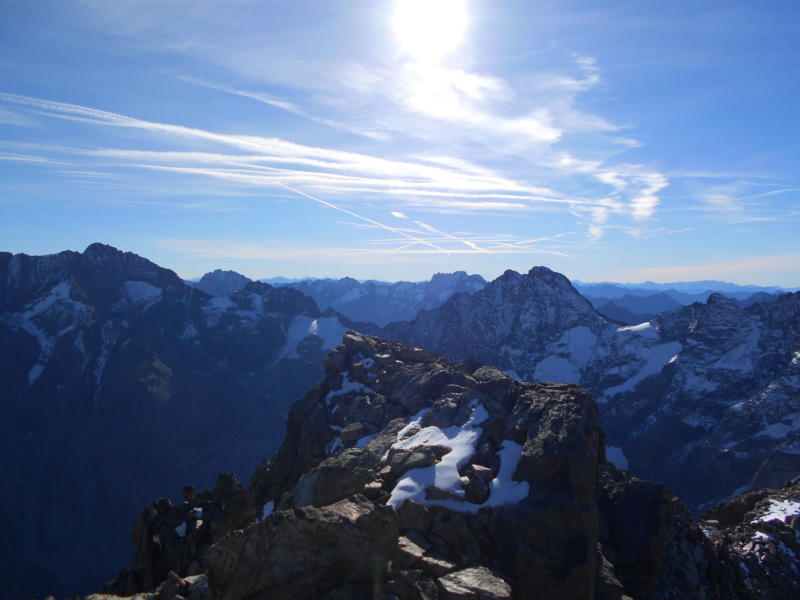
{"points": [[467, 243], [357, 216]]}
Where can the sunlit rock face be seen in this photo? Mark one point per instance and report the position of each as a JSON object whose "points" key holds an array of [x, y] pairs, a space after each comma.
{"points": [[698, 399], [462, 453], [118, 382]]}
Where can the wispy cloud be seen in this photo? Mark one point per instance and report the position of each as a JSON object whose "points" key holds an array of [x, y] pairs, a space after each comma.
{"points": [[9, 117], [197, 248], [323, 168], [459, 112], [291, 107], [435, 184]]}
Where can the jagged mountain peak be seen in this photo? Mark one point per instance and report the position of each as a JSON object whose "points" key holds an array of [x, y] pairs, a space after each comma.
{"points": [[546, 273], [720, 300], [719, 311], [99, 254], [455, 275], [219, 282], [100, 249], [543, 278]]}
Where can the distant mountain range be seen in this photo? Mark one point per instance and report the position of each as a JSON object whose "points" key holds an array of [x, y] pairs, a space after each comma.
{"points": [[636, 303], [688, 287], [381, 302], [120, 383], [373, 301]]}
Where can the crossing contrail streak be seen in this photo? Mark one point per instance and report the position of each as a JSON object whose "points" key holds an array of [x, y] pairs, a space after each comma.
{"points": [[365, 219], [468, 243]]}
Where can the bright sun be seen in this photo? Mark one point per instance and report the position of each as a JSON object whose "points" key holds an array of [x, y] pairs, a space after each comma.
{"points": [[429, 29]]}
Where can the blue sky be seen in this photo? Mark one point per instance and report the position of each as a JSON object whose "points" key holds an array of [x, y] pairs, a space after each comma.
{"points": [[628, 140]]}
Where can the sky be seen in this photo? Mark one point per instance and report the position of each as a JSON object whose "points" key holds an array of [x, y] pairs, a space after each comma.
{"points": [[626, 141]]}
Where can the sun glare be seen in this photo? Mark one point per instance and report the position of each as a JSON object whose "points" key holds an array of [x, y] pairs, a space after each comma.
{"points": [[430, 29]]}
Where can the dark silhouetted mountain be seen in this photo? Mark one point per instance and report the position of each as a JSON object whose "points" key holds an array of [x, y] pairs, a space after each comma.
{"points": [[622, 315], [657, 303], [756, 298], [632, 310], [117, 382], [219, 283]]}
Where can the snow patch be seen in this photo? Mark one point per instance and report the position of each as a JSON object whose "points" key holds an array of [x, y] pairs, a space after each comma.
{"points": [[558, 369], [65, 309], [59, 292], [221, 303], [654, 357], [645, 329], [444, 475], [142, 293], [34, 373], [190, 332], [571, 353], [615, 455], [334, 446], [781, 429], [780, 510], [699, 384], [578, 343], [329, 329], [738, 359], [347, 387], [362, 442], [693, 420]]}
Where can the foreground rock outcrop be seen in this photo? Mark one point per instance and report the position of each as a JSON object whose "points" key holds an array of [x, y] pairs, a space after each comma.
{"points": [[404, 476]]}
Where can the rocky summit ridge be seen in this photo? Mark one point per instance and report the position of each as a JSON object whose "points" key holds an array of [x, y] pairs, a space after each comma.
{"points": [[405, 476]]}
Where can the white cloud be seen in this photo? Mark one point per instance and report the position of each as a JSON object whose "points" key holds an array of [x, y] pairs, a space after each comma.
{"points": [[451, 107], [204, 248], [320, 167], [289, 107], [468, 102], [9, 117]]}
